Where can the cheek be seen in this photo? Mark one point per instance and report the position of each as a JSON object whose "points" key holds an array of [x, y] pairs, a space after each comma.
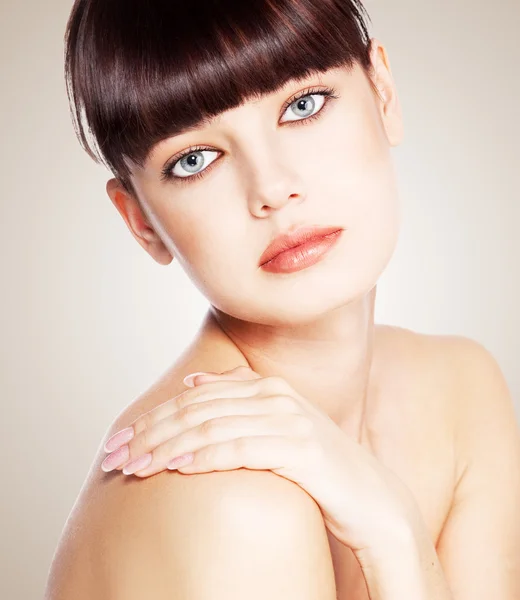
{"points": [[194, 229], [206, 247], [208, 243], [373, 216], [361, 193], [361, 180]]}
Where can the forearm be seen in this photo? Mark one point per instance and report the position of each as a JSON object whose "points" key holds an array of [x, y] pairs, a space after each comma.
{"points": [[405, 569]]}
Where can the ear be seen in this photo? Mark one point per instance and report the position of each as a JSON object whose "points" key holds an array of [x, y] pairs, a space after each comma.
{"points": [[389, 105], [137, 222]]}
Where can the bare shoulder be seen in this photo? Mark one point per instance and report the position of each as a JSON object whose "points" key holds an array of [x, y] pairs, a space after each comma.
{"points": [[176, 536], [484, 511], [484, 409], [475, 377], [426, 363], [460, 364], [454, 360], [477, 399], [145, 537]]}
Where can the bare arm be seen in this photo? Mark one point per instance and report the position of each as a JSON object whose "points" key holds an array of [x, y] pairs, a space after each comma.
{"points": [[480, 544], [478, 553]]}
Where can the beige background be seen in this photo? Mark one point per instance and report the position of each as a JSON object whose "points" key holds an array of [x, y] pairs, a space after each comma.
{"points": [[89, 321]]}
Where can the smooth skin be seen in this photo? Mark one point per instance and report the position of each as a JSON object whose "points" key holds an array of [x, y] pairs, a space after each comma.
{"points": [[239, 419], [435, 409]]}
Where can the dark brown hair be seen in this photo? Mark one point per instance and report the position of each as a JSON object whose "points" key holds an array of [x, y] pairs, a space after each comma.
{"points": [[142, 71]]}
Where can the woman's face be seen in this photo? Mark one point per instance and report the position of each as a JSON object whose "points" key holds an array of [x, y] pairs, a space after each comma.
{"points": [[269, 171]]}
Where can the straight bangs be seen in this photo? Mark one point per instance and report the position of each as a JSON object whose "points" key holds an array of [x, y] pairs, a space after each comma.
{"points": [[139, 72]]}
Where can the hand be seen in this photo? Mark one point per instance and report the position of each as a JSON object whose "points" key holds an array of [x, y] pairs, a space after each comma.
{"points": [[239, 419]]}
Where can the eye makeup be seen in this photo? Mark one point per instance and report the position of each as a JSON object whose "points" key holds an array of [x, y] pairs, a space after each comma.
{"points": [[167, 175]]}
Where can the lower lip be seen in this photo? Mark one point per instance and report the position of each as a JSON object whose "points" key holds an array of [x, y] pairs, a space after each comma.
{"points": [[302, 256]]}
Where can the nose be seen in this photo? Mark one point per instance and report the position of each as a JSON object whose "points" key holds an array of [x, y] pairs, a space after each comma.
{"points": [[273, 180]]}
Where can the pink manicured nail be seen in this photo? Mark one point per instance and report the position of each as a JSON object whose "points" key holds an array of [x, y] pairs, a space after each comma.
{"points": [[116, 459], [119, 438], [137, 464]]}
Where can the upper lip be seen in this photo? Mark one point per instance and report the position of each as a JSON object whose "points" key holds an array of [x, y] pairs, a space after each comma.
{"points": [[294, 238]]}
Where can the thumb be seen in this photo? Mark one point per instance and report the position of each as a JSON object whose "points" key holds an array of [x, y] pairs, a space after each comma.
{"points": [[240, 373]]}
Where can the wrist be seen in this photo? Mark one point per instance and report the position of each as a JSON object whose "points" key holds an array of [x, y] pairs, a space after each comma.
{"points": [[406, 566], [388, 547], [389, 533], [392, 568]]}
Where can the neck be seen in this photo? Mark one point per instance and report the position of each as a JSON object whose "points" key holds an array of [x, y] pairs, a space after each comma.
{"points": [[328, 361]]}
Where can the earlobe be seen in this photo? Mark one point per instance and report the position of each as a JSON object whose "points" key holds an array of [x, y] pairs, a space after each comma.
{"points": [[392, 120]]}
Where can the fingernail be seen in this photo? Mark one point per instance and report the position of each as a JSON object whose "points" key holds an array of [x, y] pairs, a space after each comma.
{"points": [[119, 438], [188, 380], [137, 464], [117, 458]]}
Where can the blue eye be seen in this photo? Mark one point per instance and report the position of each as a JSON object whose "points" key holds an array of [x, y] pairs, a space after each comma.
{"points": [[307, 104], [303, 99], [193, 164]]}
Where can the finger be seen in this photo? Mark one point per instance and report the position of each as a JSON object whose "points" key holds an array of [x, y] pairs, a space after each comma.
{"points": [[166, 408], [263, 452], [249, 385], [145, 422], [218, 387], [218, 430], [197, 413], [241, 373]]}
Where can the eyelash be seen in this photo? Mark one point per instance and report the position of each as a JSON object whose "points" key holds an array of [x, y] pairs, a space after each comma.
{"points": [[328, 93]]}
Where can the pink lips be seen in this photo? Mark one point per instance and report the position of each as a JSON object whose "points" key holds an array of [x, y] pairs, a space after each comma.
{"points": [[305, 254], [290, 240]]}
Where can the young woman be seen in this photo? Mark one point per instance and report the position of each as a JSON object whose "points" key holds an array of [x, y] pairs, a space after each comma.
{"points": [[323, 456]]}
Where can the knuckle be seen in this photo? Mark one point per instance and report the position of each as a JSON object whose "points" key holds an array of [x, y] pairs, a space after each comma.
{"points": [[176, 402], [181, 399], [211, 454], [255, 385], [240, 445], [275, 380], [149, 438], [275, 383], [149, 419], [286, 403], [141, 424], [185, 415], [209, 427]]}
